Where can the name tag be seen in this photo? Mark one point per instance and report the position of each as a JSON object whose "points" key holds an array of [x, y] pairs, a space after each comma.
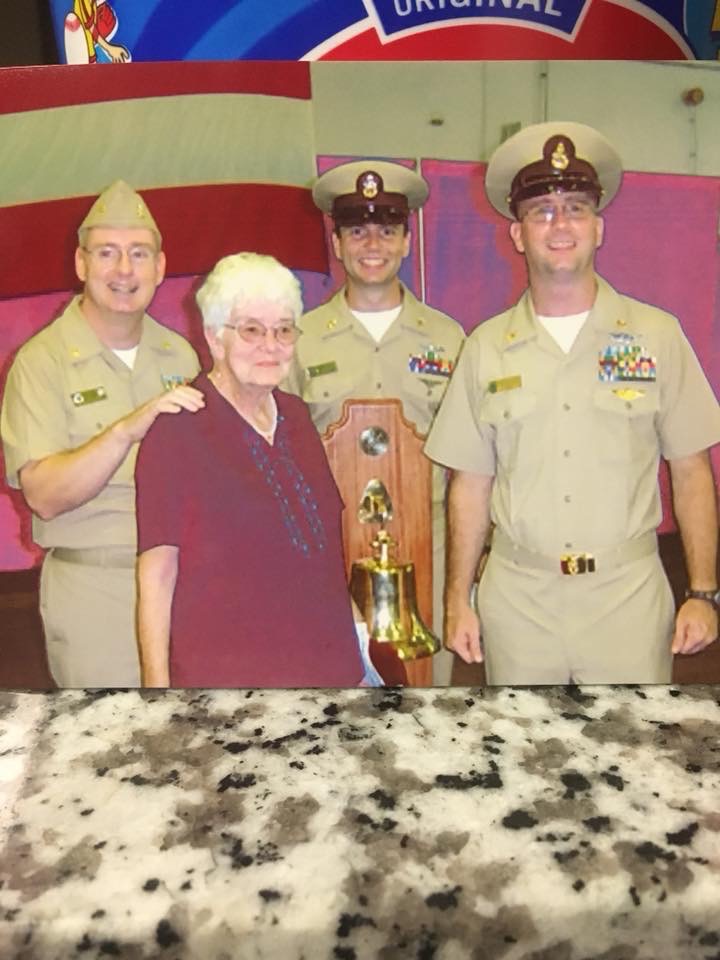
{"points": [[505, 383], [320, 369], [83, 397]]}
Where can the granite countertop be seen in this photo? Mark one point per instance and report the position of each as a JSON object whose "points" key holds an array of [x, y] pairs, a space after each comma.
{"points": [[437, 824]]}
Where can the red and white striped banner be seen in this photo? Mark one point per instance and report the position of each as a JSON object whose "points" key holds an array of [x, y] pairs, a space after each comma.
{"points": [[223, 153]]}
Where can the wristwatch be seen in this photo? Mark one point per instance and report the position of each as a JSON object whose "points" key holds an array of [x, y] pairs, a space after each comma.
{"points": [[712, 596]]}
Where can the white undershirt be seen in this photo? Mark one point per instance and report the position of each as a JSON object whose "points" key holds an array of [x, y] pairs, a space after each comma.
{"points": [[128, 356], [377, 322], [564, 330]]}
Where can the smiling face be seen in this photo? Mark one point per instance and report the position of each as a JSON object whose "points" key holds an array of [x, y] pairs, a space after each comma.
{"points": [[121, 269], [558, 234], [372, 253], [264, 363]]}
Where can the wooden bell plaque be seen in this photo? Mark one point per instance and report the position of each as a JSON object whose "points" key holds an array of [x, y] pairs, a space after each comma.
{"points": [[373, 440]]}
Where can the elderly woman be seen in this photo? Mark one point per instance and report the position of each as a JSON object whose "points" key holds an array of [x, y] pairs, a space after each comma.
{"points": [[240, 569]]}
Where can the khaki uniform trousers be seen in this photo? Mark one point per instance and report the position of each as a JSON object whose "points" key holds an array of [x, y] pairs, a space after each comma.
{"points": [[540, 627], [88, 615], [444, 659]]}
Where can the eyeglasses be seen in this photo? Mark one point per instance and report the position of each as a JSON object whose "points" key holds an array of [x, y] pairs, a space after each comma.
{"points": [[109, 254], [570, 210], [255, 333]]}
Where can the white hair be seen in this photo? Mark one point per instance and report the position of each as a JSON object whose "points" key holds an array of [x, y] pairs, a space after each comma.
{"points": [[242, 278]]}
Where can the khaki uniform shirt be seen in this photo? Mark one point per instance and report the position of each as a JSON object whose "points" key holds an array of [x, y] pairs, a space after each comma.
{"points": [[573, 440], [64, 388], [337, 359]]}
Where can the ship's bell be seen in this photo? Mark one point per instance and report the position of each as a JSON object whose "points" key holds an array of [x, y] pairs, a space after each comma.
{"points": [[384, 590]]}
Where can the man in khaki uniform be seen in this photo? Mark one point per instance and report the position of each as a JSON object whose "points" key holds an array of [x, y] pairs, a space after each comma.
{"points": [[553, 425], [373, 338], [80, 395]]}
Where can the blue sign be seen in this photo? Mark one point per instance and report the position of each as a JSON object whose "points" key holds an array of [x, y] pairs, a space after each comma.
{"points": [[141, 30]]}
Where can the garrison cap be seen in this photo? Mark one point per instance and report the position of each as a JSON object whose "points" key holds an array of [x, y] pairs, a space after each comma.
{"points": [[369, 191], [555, 157], [121, 207]]}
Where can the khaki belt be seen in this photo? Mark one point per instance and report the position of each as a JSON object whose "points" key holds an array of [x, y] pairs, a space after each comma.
{"points": [[572, 564], [96, 556]]}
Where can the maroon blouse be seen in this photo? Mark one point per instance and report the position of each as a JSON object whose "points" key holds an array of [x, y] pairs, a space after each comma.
{"points": [[261, 598]]}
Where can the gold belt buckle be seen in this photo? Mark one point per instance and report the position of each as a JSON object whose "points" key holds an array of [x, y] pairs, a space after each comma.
{"points": [[572, 564]]}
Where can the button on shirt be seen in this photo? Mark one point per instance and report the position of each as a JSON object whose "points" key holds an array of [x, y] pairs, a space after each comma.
{"points": [[573, 452]]}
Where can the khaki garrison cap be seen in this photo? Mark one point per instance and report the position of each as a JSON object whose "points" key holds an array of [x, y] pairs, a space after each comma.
{"points": [[554, 157], [121, 207], [369, 191]]}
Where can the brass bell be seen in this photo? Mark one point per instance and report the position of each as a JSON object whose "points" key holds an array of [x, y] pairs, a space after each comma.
{"points": [[384, 590]]}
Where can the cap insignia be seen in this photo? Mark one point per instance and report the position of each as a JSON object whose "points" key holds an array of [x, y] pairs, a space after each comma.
{"points": [[559, 159], [369, 186]]}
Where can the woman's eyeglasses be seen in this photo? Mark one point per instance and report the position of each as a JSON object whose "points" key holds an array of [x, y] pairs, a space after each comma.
{"points": [[255, 333]]}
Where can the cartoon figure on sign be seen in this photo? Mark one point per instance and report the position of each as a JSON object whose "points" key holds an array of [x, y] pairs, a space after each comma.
{"points": [[89, 28]]}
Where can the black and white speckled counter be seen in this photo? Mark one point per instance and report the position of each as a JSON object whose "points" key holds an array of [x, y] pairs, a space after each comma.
{"points": [[543, 824]]}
